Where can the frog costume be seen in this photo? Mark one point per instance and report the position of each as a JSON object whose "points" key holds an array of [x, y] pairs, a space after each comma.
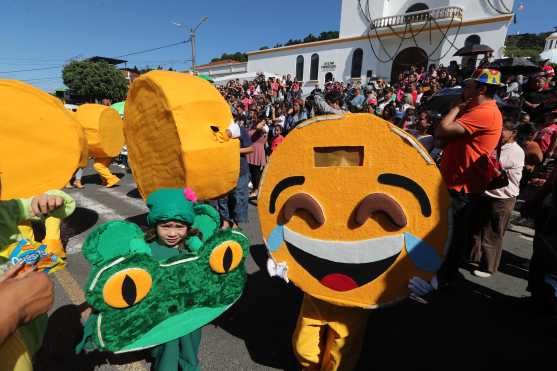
{"points": [[142, 297]]}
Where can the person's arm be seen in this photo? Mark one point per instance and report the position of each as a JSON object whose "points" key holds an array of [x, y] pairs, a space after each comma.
{"points": [[22, 299], [534, 204], [531, 105], [246, 150], [552, 147], [449, 128]]}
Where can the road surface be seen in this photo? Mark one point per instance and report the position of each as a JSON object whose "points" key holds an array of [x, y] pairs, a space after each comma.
{"points": [[482, 324]]}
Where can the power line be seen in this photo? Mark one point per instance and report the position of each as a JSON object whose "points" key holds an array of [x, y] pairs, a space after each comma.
{"points": [[32, 69], [32, 59], [153, 49], [42, 78], [120, 56]]}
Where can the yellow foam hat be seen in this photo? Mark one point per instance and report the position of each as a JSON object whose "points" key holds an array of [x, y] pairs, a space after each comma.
{"points": [[175, 127], [103, 128], [40, 145]]}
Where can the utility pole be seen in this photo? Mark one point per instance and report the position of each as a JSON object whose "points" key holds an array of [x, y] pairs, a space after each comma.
{"points": [[192, 32], [192, 40]]}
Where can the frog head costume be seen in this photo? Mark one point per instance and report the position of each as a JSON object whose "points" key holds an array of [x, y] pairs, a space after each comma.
{"points": [[140, 302]]}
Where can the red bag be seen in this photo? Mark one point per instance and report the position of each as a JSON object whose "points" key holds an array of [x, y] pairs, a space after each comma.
{"points": [[496, 176]]}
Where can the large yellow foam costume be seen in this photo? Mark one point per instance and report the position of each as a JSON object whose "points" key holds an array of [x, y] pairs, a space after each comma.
{"points": [[351, 208], [105, 137], [175, 128], [41, 147]]}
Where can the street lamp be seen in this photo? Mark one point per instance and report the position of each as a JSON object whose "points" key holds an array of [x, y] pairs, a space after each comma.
{"points": [[192, 39]]}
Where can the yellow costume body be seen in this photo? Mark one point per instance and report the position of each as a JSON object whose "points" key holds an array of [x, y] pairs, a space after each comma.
{"points": [[42, 145], [101, 166], [351, 209], [104, 130], [327, 336]]}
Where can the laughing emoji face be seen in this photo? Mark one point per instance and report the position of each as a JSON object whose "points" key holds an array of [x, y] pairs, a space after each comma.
{"points": [[355, 207]]}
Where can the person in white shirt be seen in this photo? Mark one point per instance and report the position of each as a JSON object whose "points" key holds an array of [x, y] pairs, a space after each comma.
{"points": [[495, 207]]}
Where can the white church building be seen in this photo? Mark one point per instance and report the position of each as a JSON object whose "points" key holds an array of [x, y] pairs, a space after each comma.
{"points": [[385, 37], [550, 50]]}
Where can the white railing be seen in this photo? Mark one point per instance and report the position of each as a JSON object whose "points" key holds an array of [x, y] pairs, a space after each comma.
{"points": [[448, 12]]}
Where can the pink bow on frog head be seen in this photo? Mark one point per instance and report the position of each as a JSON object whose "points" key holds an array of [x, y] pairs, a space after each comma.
{"points": [[190, 195]]}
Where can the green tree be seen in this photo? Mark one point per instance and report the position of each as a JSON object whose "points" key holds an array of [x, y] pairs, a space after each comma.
{"points": [[94, 81], [242, 57], [525, 45], [238, 56]]}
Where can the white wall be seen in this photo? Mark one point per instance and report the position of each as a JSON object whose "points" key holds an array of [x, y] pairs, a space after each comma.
{"points": [[224, 69], [283, 62], [352, 23]]}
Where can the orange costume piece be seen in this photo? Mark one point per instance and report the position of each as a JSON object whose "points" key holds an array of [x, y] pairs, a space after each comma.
{"points": [[105, 137], [176, 134]]}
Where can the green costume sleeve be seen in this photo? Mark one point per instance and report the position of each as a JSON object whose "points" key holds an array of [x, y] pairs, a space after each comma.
{"points": [[67, 208], [12, 213], [207, 220], [15, 212]]}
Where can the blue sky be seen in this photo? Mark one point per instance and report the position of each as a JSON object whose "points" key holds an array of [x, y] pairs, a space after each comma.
{"points": [[47, 33]]}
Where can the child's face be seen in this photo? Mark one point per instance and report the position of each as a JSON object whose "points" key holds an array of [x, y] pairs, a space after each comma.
{"points": [[423, 122], [172, 233]]}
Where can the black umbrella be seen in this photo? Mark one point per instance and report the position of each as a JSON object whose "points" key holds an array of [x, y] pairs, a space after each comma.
{"points": [[475, 49], [514, 66], [442, 101]]}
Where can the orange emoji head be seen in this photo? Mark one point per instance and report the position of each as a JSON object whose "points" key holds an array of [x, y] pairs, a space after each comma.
{"points": [[355, 207]]}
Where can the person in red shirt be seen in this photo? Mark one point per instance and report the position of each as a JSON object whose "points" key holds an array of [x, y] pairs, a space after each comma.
{"points": [[471, 131], [547, 135]]}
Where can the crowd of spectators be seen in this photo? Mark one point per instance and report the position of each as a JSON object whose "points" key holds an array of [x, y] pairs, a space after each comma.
{"points": [[270, 108], [267, 109]]}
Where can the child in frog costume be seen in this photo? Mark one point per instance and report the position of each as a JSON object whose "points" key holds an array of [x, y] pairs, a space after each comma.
{"points": [[16, 351], [157, 290], [171, 215]]}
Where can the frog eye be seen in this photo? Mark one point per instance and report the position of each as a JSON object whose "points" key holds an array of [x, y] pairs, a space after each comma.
{"points": [[127, 287], [226, 257]]}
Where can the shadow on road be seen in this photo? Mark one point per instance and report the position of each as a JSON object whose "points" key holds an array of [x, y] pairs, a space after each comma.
{"points": [[465, 327], [64, 332], [96, 178], [265, 317], [140, 220], [468, 327], [134, 193], [81, 220], [514, 265]]}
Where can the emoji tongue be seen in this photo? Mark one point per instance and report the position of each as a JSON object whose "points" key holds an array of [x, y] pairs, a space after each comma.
{"points": [[339, 282]]}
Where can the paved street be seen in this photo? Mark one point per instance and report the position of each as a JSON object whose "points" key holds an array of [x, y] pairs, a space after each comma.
{"points": [[483, 324]]}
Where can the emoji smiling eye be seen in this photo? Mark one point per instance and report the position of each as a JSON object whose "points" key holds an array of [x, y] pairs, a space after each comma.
{"points": [[303, 201], [226, 257], [127, 287], [380, 202]]}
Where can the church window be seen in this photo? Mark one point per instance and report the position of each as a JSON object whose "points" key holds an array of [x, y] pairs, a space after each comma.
{"points": [[314, 69], [300, 68]]}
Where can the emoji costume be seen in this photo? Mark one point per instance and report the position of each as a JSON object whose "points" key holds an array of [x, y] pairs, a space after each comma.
{"points": [[361, 211], [34, 120], [105, 137]]}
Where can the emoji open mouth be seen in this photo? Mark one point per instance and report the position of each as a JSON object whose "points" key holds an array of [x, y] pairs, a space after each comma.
{"points": [[344, 265]]}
